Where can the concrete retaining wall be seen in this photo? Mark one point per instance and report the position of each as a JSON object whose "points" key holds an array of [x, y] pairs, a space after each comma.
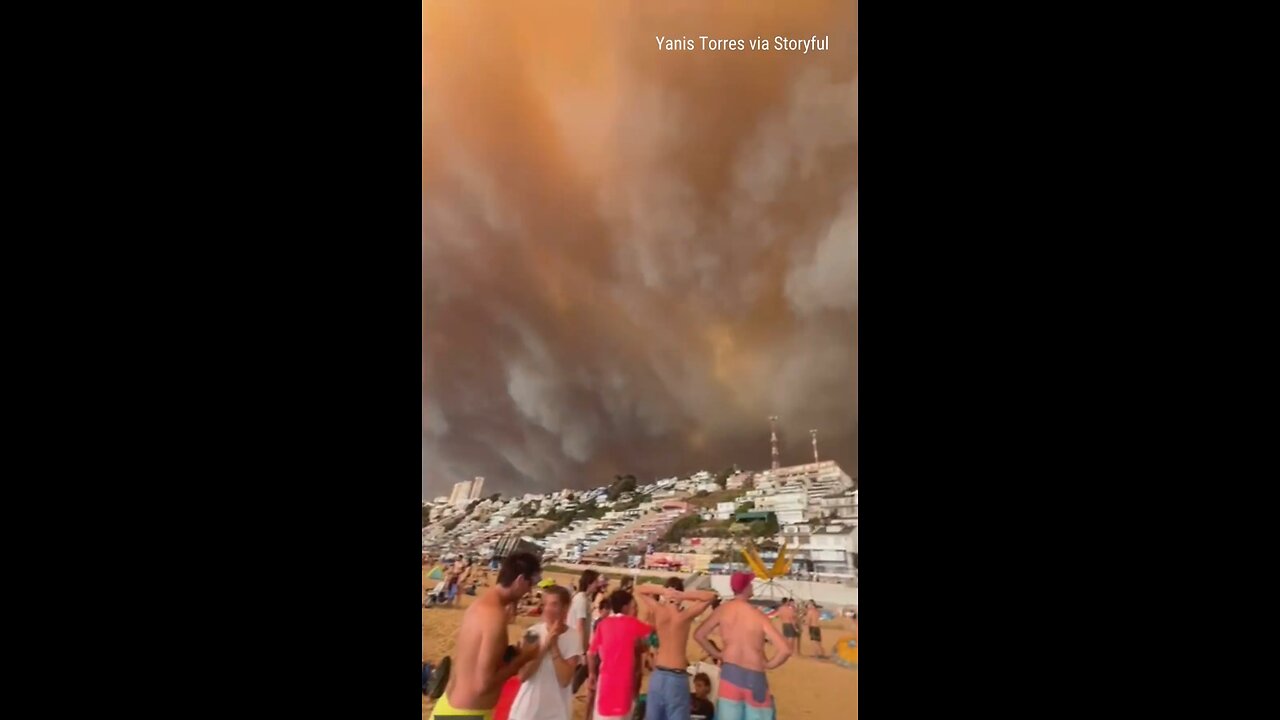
{"points": [[828, 594]]}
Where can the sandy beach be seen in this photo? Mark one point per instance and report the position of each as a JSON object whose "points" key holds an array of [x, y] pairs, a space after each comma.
{"points": [[804, 687]]}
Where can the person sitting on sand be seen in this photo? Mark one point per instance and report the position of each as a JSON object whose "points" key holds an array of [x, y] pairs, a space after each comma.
{"points": [[439, 593], [711, 667], [744, 689], [700, 705], [668, 697], [449, 589], [787, 614], [478, 671], [544, 691], [616, 643], [812, 619]]}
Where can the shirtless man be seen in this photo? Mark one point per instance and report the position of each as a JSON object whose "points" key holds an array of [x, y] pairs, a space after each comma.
{"points": [[744, 690], [668, 697], [787, 614], [478, 673], [813, 619]]}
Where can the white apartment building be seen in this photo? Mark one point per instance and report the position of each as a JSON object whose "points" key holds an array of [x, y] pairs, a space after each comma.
{"points": [[461, 493], [477, 487], [826, 476], [765, 482], [790, 504], [634, 528], [832, 549], [844, 506]]}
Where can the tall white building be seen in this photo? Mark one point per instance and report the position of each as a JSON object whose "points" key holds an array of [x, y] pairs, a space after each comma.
{"points": [[476, 486], [461, 493]]}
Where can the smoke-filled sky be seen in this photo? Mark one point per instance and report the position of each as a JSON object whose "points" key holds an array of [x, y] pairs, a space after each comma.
{"points": [[631, 258]]}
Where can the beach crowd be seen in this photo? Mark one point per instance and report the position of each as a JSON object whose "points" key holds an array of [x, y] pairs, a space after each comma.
{"points": [[603, 642]]}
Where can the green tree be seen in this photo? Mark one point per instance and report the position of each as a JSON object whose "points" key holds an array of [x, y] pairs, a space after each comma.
{"points": [[686, 525], [765, 528], [747, 506], [621, 484]]}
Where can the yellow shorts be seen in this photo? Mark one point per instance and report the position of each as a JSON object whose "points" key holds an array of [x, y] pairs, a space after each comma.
{"points": [[444, 710]]}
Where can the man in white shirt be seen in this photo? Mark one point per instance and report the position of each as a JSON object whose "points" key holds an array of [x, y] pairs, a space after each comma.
{"points": [[580, 609], [580, 618], [544, 682]]}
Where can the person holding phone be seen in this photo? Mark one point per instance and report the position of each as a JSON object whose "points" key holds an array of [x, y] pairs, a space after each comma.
{"points": [[545, 692], [483, 663]]}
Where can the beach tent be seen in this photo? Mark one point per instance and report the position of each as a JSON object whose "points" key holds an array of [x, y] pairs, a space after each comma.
{"points": [[437, 573]]}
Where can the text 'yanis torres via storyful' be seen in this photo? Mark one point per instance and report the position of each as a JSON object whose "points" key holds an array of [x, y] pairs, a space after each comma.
{"points": [[760, 44]]}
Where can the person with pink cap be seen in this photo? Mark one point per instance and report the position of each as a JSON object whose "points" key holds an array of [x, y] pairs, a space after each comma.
{"points": [[744, 689]]}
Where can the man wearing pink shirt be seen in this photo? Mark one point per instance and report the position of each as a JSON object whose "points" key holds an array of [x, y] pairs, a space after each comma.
{"points": [[615, 641]]}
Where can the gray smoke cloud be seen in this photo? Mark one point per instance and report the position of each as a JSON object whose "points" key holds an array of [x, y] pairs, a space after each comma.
{"points": [[631, 258]]}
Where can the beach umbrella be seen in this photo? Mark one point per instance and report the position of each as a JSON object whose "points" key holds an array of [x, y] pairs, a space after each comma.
{"points": [[781, 566]]}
